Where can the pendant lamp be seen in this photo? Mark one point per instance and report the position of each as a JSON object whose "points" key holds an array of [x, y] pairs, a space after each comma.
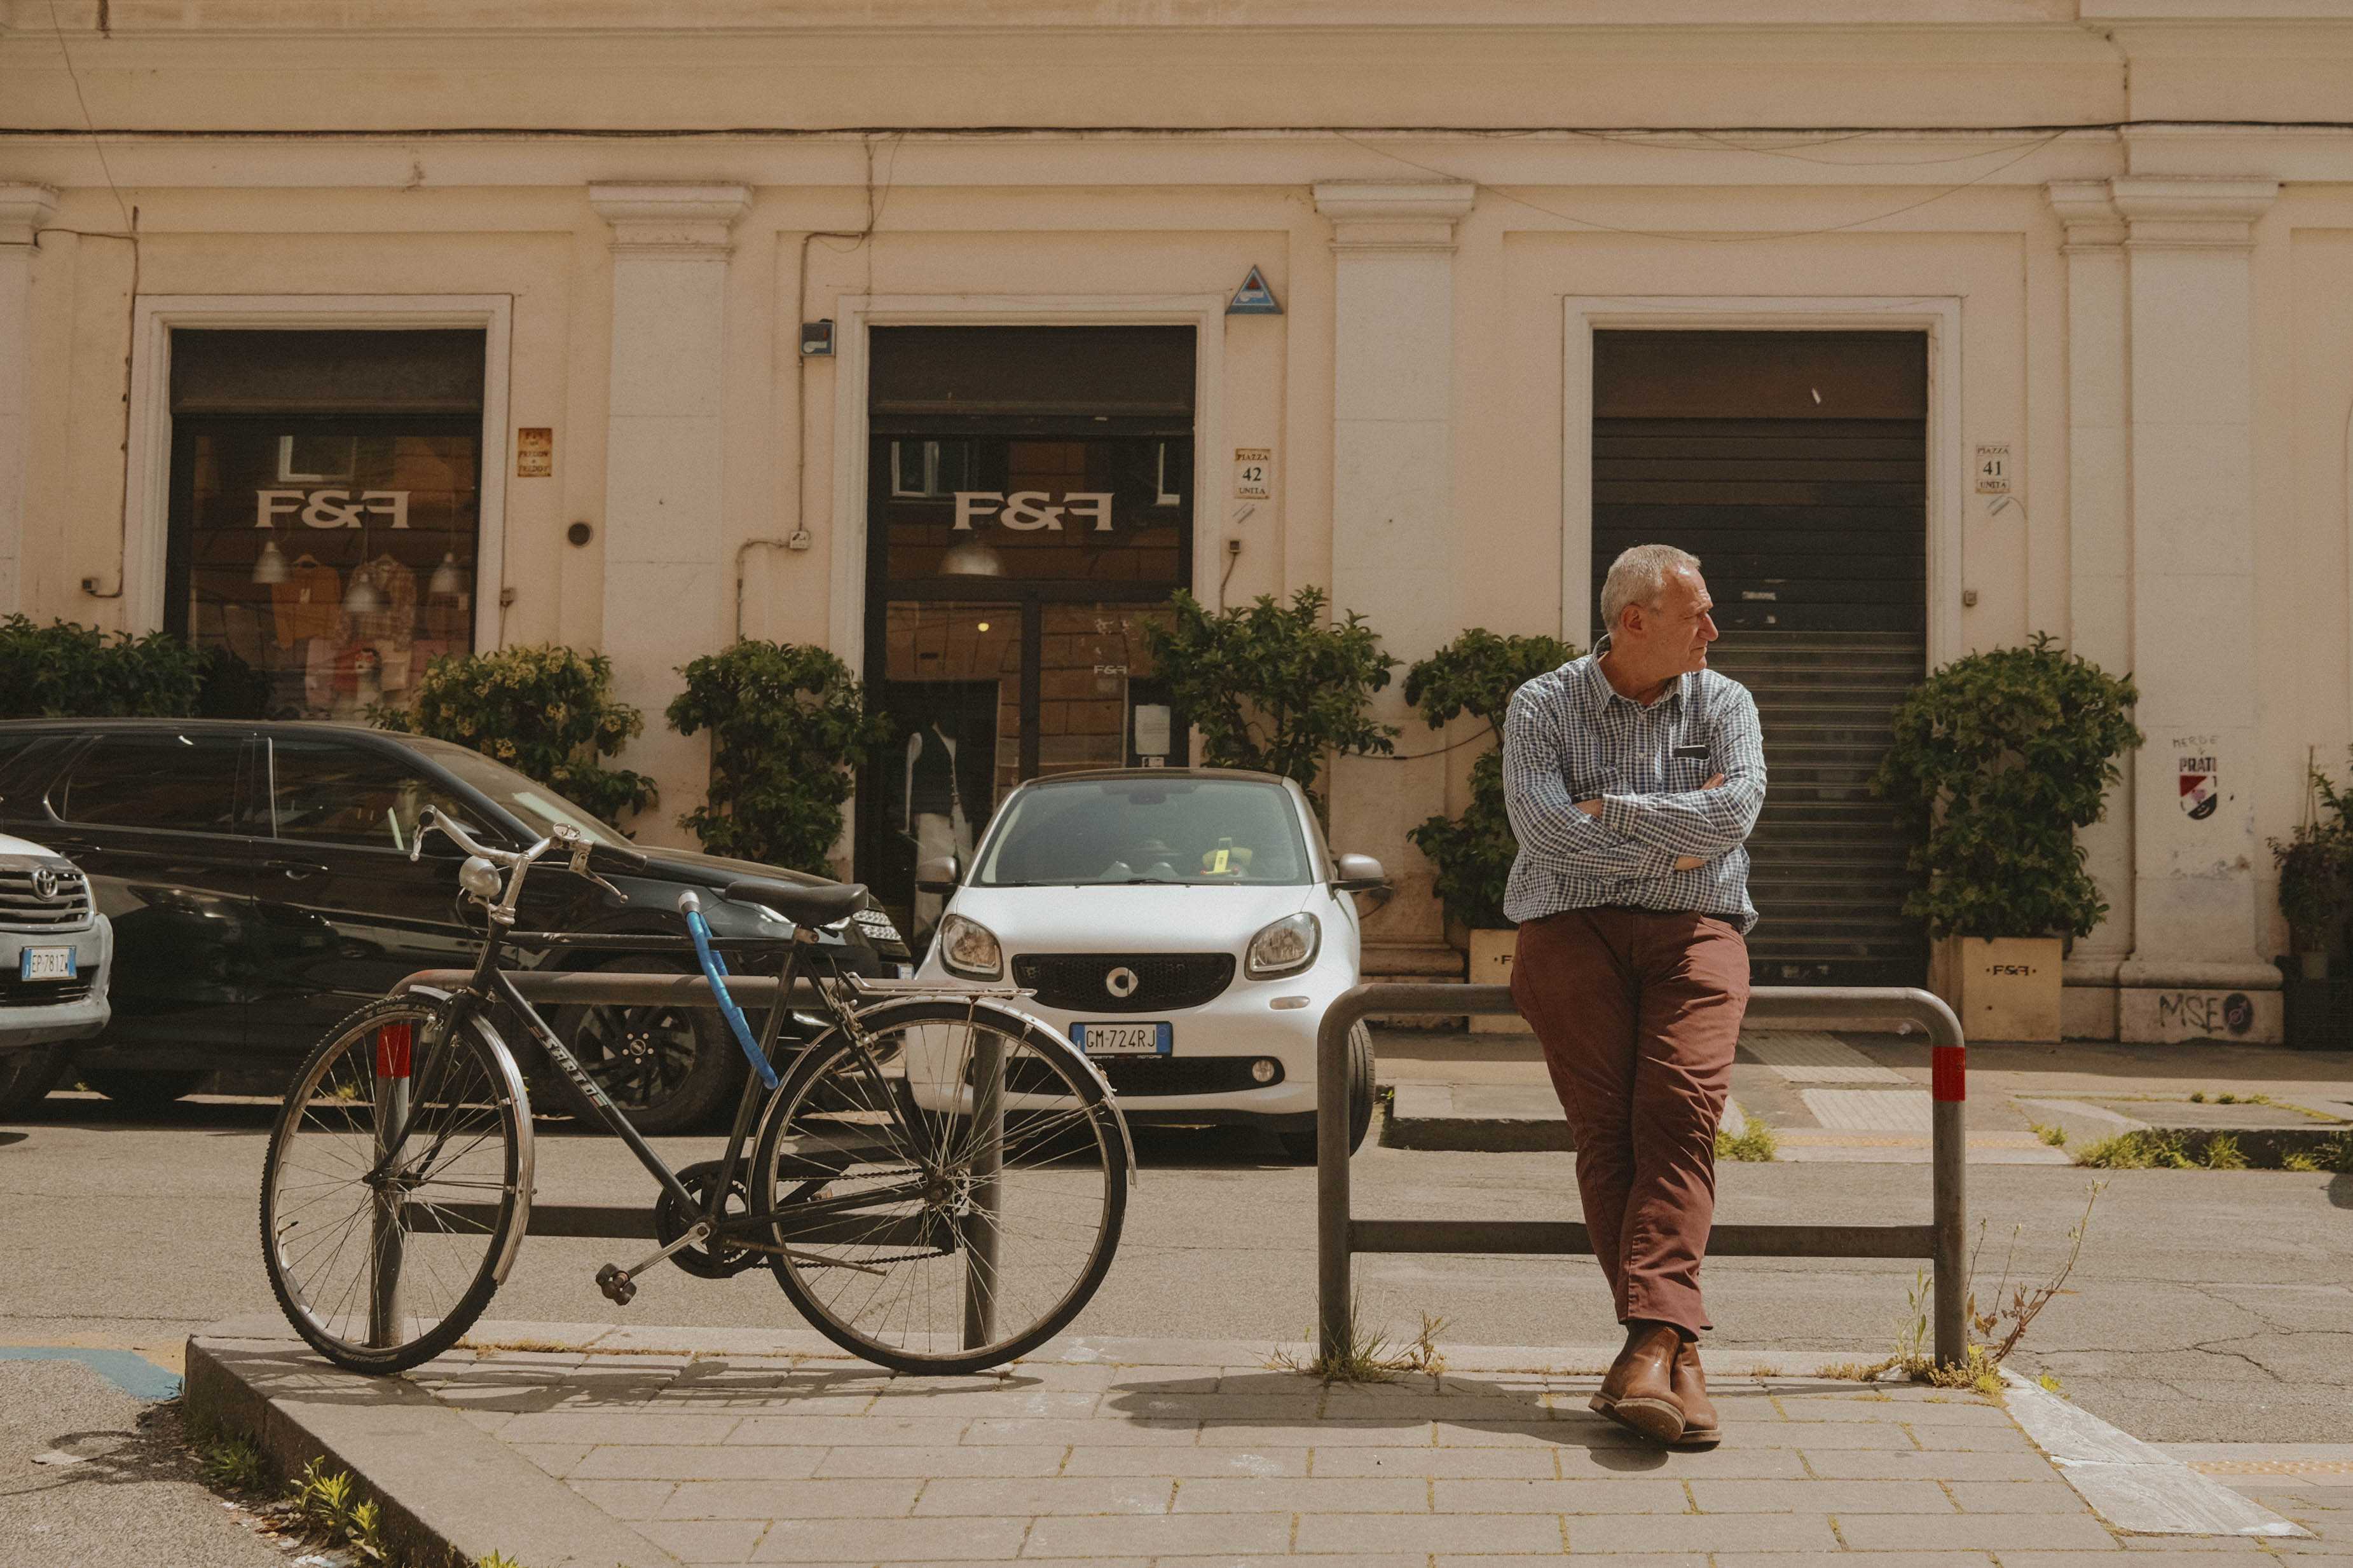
{"points": [[446, 582], [271, 566]]}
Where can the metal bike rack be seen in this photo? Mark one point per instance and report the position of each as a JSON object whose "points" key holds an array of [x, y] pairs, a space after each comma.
{"points": [[1339, 1235], [600, 1221]]}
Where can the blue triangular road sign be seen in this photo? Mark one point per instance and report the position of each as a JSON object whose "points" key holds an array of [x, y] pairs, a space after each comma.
{"points": [[1254, 298]]}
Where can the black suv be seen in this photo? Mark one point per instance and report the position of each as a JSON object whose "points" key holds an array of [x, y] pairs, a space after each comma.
{"points": [[259, 879]]}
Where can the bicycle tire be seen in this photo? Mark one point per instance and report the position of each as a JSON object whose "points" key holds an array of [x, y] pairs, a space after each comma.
{"points": [[475, 1063], [822, 1067]]}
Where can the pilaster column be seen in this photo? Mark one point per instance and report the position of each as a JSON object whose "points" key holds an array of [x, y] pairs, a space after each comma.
{"points": [[1393, 535], [2189, 274], [23, 209], [2099, 565], [664, 577]]}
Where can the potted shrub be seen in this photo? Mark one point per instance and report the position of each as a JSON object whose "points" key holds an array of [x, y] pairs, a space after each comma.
{"points": [[2315, 892], [1997, 759], [2315, 889], [1473, 854], [1277, 688], [788, 724], [547, 711]]}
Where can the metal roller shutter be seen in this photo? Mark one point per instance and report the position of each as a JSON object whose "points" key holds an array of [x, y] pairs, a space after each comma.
{"points": [[1794, 465]]}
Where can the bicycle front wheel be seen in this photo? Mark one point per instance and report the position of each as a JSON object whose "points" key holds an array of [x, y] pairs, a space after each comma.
{"points": [[398, 1184], [948, 1185]]}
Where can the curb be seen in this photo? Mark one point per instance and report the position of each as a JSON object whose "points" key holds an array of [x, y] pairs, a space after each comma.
{"points": [[450, 1493]]}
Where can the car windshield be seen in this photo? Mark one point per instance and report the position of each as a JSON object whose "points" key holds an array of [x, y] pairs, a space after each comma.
{"points": [[1191, 831], [538, 807]]}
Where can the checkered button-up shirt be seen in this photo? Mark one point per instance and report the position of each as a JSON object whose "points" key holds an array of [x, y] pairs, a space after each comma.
{"points": [[1569, 737]]}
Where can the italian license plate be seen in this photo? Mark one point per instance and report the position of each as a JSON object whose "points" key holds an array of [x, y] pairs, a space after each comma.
{"points": [[1124, 1039], [46, 963]]}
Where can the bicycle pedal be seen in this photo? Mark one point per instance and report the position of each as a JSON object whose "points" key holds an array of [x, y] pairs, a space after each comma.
{"points": [[618, 1287]]}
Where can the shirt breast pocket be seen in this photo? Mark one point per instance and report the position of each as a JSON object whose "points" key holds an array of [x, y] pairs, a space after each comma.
{"points": [[1688, 767]]}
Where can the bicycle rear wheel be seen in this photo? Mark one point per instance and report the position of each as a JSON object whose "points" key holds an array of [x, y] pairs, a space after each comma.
{"points": [[382, 1256], [982, 1178]]}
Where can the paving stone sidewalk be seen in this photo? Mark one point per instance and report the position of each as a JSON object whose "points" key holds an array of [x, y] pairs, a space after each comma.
{"points": [[706, 1447]]}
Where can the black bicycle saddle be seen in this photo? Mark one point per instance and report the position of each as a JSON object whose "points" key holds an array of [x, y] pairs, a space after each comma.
{"points": [[803, 905]]}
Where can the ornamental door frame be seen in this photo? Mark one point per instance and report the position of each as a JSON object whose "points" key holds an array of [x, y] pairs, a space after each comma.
{"points": [[847, 584], [1938, 316], [147, 477]]}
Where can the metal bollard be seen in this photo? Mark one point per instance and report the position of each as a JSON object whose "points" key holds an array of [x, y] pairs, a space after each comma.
{"points": [[1339, 1235]]}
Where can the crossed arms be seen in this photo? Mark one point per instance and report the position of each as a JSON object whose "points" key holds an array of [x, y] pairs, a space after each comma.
{"points": [[1621, 835]]}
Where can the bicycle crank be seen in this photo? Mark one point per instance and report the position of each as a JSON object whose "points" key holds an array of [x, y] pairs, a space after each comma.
{"points": [[620, 1285]]}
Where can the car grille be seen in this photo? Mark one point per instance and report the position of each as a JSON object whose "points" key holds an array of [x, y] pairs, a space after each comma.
{"points": [[1074, 982], [16, 992], [22, 908], [1148, 1075]]}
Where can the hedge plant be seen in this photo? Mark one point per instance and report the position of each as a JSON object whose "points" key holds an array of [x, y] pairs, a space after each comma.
{"points": [[1274, 687], [67, 671], [546, 710], [1999, 758], [788, 726], [1476, 674], [64, 670]]}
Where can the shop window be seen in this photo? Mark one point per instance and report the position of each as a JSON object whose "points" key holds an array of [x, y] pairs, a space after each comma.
{"points": [[325, 508]]}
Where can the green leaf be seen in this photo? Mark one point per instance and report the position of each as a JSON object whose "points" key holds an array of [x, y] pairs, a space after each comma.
{"points": [[1997, 759]]}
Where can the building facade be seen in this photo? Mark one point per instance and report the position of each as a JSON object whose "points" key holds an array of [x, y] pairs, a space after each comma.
{"points": [[957, 339]]}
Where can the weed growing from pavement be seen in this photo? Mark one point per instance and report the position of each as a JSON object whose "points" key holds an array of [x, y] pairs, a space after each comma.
{"points": [[2056, 1136], [1992, 1335], [2333, 1154], [2157, 1149], [1755, 1144], [331, 1505], [1366, 1356], [2049, 1382], [227, 1461]]}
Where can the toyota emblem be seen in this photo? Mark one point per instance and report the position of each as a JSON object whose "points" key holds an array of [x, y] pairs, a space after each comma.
{"points": [[44, 883], [1122, 982]]}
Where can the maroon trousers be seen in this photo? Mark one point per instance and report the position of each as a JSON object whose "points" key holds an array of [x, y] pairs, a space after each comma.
{"points": [[1639, 1013]]}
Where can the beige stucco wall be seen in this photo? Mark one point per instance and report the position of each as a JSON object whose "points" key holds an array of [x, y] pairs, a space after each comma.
{"points": [[276, 148]]}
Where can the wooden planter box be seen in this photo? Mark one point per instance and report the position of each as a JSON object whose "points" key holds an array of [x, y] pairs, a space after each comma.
{"points": [[2003, 987], [1491, 965]]}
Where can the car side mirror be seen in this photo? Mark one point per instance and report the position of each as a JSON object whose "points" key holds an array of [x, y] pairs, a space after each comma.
{"points": [[937, 875], [1360, 874]]}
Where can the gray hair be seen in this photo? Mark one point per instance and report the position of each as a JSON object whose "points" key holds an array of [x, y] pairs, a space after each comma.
{"points": [[1639, 576]]}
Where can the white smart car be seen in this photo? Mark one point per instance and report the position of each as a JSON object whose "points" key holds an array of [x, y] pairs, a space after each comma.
{"points": [[1186, 926]]}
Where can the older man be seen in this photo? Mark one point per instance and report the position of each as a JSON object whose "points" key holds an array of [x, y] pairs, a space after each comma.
{"points": [[1634, 775]]}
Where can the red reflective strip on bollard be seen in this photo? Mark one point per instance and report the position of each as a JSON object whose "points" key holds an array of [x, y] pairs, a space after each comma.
{"points": [[392, 1042], [1949, 1073]]}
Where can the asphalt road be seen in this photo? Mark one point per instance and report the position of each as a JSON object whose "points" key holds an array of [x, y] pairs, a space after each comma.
{"points": [[2207, 1306]]}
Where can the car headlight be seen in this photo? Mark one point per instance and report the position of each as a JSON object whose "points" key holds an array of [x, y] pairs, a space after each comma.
{"points": [[1285, 947], [969, 948]]}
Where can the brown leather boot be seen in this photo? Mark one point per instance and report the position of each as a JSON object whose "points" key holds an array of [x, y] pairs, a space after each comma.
{"points": [[1639, 1393], [1701, 1428]]}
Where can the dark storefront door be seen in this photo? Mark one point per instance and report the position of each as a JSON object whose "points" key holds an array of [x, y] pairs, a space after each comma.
{"points": [[1794, 465], [1029, 513]]}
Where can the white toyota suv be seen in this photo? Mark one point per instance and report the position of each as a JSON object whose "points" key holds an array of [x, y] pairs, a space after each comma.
{"points": [[55, 953]]}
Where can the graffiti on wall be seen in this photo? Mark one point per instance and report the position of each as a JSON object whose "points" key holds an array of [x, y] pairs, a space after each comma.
{"points": [[2205, 1011]]}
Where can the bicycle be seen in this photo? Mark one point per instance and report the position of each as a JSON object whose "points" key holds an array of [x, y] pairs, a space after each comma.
{"points": [[936, 1179]]}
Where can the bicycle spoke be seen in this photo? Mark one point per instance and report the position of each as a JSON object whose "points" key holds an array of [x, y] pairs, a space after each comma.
{"points": [[344, 1246], [899, 1285]]}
